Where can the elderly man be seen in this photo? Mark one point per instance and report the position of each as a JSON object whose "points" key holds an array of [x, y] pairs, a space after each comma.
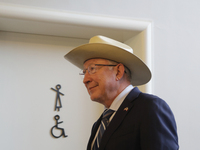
{"points": [[132, 120]]}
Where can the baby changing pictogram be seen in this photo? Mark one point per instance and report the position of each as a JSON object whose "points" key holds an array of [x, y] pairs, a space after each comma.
{"points": [[58, 103]]}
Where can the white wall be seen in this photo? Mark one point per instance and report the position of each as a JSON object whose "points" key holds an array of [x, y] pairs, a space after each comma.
{"points": [[175, 51], [30, 65]]}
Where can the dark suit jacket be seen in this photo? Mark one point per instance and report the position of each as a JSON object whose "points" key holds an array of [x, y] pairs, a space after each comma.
{"points": [[148, 124]]}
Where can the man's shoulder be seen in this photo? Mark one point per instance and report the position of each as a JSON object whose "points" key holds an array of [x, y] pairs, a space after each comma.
{"points": [[146, 101], [149, 97], [151, 100]]}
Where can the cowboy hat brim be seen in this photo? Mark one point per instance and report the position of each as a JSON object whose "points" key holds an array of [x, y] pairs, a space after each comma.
{"points": [[140, 73]]}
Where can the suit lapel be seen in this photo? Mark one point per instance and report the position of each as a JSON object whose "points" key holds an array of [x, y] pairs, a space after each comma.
{"points": [[119, 116]]}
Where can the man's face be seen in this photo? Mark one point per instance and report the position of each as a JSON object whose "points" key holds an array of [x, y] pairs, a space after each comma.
{"points": [[100, 85]]}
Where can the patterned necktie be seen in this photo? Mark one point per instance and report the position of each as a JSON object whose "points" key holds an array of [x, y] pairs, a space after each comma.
{"points": [[104, 124]]}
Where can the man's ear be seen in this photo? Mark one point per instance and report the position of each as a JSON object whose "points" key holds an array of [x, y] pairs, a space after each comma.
{"points": [[120, 71]]}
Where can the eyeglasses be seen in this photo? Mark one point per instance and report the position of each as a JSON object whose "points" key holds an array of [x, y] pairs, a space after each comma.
{"points": [[92, 69]]}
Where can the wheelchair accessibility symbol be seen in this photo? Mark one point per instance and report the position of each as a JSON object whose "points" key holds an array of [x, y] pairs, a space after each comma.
{"points": [[56, 129]]}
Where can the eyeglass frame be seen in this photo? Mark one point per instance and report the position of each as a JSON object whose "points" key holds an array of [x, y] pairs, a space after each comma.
{"points": [[84, 70]]}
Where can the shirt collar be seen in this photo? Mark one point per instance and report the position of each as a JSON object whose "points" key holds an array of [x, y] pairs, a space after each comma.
{"points": [[120, 98]]}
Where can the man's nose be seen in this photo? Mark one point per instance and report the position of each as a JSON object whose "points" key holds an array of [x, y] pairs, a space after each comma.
{"points": [[86, 78]]}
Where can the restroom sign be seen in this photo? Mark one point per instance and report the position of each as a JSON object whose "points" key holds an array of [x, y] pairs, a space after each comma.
{"points": [[57, 131]]}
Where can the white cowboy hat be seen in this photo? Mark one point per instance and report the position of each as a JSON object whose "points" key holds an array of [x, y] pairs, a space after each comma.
{"points": [[106, 48]]}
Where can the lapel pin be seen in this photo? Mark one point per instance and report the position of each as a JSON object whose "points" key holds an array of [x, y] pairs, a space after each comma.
{"points": [[126, 109]]}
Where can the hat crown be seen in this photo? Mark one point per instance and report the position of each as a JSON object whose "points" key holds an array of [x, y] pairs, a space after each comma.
{"points": [[106, 40]]}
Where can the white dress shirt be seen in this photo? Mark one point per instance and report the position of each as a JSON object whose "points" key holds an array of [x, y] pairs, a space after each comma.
{"points": [[119, 99]]}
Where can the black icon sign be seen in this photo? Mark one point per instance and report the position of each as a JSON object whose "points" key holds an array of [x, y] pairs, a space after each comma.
{"points": [[57, 117], [58, 104]]}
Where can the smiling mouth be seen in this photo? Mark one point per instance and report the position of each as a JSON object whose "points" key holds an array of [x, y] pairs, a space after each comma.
{"points": [[89, 89], [92, 87]]}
